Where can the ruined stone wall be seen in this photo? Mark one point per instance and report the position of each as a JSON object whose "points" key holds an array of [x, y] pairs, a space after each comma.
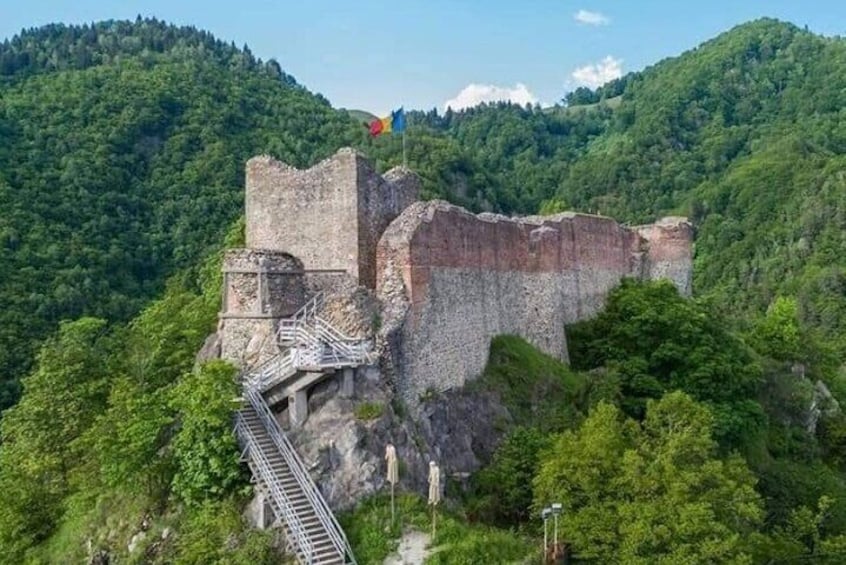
{"points": [[310, 214], [670, 253], [259, 288], [451, 280], [330, 216], [380, 200]]}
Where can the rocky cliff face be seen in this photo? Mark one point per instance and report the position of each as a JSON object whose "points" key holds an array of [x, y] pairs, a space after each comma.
{"points": [[343, 441]]}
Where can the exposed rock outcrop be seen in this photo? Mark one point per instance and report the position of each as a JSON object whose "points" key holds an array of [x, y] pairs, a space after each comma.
{"points": [[823, 404], [344, 450]]}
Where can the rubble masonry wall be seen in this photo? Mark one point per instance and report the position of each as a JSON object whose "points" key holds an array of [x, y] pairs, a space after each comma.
{"points": [[329, 216], [452, 280]]}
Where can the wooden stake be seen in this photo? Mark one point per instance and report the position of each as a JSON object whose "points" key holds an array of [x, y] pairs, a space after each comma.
{"points": [[434, 519], [393, 512]]}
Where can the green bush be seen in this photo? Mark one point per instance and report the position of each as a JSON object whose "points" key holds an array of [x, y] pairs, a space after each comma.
{"points": [[537, 389], [214, 532], [205, 451], [657, 341], [501, 493], [369, 410]]}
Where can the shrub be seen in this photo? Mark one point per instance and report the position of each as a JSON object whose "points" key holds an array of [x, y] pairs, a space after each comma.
{"points": [[369, 410]]}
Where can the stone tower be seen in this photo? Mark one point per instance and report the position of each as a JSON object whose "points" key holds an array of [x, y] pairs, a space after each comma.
{"points": [[259, 288], [330, 216], [307, 231]]}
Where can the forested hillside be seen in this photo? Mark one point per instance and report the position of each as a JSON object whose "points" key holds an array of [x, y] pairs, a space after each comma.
{"points": [[122, 148], [745, 134], [122, 155]]}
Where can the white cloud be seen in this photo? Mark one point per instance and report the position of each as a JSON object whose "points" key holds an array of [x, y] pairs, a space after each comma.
{"points": [[591, 18], [474, 94], [599, 73]]}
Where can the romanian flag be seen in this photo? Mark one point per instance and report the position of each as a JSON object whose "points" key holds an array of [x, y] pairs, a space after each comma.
{"points": [[394, 123]]}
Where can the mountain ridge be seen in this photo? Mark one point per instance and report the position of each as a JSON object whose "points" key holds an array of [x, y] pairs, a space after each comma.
{"points": [[682, 129], [119, 180]]}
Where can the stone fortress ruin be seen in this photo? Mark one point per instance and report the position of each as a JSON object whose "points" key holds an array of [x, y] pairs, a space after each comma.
{"points": [[428, 283], [352, 292]]}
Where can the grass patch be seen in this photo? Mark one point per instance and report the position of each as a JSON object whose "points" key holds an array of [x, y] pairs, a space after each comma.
{"points": [[212, 532], [373, 537], [537, 389], [107, 522], [369, 410]]}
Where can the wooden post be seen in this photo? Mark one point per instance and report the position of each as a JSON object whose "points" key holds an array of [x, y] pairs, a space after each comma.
{"points": [[393, 511], [434, 520]]}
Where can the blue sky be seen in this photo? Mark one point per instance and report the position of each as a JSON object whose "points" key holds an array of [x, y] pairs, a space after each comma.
{"points": [[377, 55]]}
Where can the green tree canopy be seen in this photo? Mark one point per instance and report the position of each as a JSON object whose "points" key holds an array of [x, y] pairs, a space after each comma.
{"points": [[658, 341], [39, 450], [654, 492]]}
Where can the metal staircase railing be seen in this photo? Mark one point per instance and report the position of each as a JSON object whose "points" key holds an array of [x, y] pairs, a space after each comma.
{"points": [[297, 539], [314, 347], [308, 316], [312, 343], [287, 327], [298, 470], [351, 347], [318, 339], [272, 372], [315, 343]]}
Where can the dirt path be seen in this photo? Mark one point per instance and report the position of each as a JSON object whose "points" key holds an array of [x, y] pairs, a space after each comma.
{"points": [[412, 549]]}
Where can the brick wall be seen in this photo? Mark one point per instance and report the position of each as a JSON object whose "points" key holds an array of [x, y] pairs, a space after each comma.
{"points": [[452, 280], [670, 253]]}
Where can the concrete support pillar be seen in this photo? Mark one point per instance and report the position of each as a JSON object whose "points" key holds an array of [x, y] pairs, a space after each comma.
{"points": [[265, 513], [298, 407], [258, 512], [347, 382]]}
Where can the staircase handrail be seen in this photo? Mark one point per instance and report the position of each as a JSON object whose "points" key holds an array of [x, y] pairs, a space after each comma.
{"points": [[310, 308], [270, 371], [321, 335], [301, 543], [330, 337], [307, 327], [306, 312], [335, 333], [298, 470]]}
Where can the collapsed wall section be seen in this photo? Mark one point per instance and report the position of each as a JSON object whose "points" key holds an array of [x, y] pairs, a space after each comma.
{"points": [[330, 216], [451, 280], [670, 256]]}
